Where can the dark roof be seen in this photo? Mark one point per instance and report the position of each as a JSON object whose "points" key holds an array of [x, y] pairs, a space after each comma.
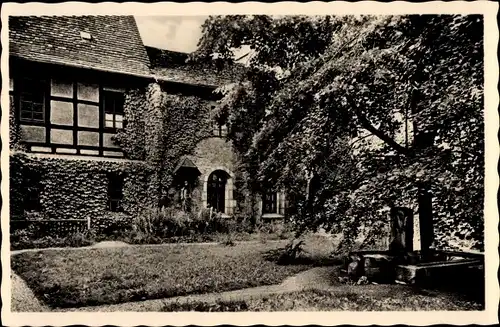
{"points": [[115, 46], [172, 66], [185, 162]]}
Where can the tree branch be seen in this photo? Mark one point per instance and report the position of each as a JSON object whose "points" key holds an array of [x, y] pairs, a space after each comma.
{"points": [[368, 126]]}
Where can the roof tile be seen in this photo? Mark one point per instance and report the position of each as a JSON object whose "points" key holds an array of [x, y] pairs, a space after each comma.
{"points": [[116, 44]]}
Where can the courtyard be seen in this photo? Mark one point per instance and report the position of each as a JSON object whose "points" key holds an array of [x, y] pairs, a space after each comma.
{"points": [[337, 165], [208, 277]]}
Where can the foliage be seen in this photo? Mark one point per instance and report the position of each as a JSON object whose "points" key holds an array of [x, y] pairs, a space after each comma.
{"points": [[217, 306], [392, 298], [161, 128], [15, 132], [132, 138], [338, 113], [292, 253], [105, 276], [27, 238], [74, 189], [170, 222]]}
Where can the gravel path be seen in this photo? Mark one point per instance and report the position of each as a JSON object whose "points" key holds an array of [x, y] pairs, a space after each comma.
{"points": [[22, 298], [319, 277], [116, 244]]}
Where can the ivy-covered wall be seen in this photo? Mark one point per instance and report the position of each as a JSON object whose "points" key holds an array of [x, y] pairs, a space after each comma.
{"points": [[15, 133], [162, 128], [75, 188]]}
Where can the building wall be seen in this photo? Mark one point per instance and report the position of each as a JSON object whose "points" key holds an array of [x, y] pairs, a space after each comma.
{"points": [[211, 154], [75, 188], [74, 118], [74, 126]]}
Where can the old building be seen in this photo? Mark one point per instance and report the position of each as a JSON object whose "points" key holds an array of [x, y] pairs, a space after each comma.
{"points": [[92, 113]]}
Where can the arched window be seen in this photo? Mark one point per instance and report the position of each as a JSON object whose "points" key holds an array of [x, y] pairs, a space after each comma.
{"points": [[216, 190]]}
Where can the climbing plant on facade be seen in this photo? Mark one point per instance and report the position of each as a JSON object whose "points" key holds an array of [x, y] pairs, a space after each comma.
{"points": [[160, 129]]}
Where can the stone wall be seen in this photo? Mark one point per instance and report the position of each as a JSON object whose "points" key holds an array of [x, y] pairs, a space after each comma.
{"points": [[211, 154]]}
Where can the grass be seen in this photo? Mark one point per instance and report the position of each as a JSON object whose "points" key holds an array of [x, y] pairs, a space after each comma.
{"points": [[75, 278], [22, 240], [386, 298]]}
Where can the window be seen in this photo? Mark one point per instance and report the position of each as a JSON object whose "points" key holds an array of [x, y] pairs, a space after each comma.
{"points": [[32, 100], [113, 109], [216, 190], [220, 130], [32, 195], [115, 192], [270, 203]]}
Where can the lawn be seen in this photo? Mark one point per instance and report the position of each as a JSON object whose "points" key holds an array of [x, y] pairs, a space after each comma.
{"points": [[85, 277], [354, 298]]}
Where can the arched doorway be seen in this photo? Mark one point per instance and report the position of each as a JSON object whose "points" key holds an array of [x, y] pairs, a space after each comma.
{"points": [[216, 190]]}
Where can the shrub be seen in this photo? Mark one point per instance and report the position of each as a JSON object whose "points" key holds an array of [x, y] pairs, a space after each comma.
{"points": [[276, 229], [27, 238], [161, 222], [113, 223], [289, 255], [214, 221], [171, 222]]}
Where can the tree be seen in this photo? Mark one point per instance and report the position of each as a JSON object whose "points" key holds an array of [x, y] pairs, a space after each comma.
{"points": [[321, 90]]}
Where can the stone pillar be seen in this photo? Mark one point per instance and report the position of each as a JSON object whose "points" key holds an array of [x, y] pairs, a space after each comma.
{"points": [[401, 237], [425, 217]]}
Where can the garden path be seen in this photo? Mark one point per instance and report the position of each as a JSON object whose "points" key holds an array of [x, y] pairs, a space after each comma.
{"points": [[113, 244], [23, 299], [318, 277]]}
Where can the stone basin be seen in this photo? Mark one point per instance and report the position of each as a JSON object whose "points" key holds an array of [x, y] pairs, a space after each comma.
{"points": [[414, 267]]}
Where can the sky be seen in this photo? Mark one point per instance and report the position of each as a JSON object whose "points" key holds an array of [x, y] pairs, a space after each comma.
{"points": [[176, 33]]}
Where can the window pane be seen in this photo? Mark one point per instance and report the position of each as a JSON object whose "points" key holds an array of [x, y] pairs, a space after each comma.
{"points": [[109, 105], [89, 92], [115, 191], [26, 106], [38, 116], [88, 115], [31, 99], [34, 96], [269, 203], [61, 113], [61, 88], [119, 103], [118, 124], [109, 123], [37, 107], [109, 117], [119, 118], [25, 114]]}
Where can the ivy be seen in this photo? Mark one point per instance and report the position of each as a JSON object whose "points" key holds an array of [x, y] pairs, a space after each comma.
{"points": [[336, 110], [15, 132], [76, 189], [161, 128]]}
